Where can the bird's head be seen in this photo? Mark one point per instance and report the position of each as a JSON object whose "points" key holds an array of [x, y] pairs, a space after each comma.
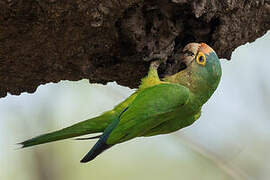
{"points": [[202, 70]]}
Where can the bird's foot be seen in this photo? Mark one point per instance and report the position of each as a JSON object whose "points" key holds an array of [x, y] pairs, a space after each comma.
{"points": [[155, 64]]}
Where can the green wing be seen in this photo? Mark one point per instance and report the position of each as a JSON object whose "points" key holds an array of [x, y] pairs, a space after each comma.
{"points": [[145, 112]]}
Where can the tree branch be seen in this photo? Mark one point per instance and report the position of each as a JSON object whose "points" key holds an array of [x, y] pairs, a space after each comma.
{"points": [[44, 41]]}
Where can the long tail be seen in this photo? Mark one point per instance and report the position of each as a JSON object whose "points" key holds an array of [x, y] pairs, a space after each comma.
{"points": [[101, 144], [93, 125]]}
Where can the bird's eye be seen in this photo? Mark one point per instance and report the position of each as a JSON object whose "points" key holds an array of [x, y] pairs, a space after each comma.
{"points": [[201, 59]]}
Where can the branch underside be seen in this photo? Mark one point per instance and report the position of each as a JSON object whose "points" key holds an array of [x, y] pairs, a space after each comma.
{"points": [[44, 41]]}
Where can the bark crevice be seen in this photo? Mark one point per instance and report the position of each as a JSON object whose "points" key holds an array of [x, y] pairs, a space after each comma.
{"points": [[44, 41]]}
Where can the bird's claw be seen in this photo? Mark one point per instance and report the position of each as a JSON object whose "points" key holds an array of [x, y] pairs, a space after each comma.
{"points": [[155, 64]]}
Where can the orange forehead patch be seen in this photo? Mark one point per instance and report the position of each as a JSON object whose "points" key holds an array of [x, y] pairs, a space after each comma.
{"points": [[205, 48]]}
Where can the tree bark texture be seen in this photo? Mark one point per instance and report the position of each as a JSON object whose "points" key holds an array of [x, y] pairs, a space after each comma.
{"points": [[44, 41]]}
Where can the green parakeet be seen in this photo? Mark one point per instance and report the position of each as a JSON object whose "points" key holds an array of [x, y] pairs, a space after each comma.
{"points": [[159, 106]]}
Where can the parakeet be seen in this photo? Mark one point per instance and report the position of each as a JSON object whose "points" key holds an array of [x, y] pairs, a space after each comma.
{"points": [[159, 106]]}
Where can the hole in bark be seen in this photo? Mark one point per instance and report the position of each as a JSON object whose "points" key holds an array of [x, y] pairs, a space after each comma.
{"points": [[145, 49], [182, 66], [168, 68], [187, 39]]}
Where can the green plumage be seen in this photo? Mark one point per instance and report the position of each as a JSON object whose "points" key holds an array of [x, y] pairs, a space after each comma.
{"points": [[157, 107]]}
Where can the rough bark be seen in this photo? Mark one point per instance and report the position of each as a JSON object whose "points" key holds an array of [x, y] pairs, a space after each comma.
{"points": [[44, 41]]}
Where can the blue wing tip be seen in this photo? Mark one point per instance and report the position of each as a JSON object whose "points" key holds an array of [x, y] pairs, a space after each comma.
{"points": [[95, 151], [101, 144]]}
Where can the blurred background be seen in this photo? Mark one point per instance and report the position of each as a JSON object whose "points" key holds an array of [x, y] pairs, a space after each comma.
{"points": [[231, 140]]}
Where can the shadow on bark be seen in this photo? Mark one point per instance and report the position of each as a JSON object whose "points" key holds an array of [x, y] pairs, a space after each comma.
{"points": [[44, 41]]}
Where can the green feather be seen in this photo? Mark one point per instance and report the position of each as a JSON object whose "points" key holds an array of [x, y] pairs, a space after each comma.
{"points": [[146, 111], [94, 125], [157, 107]]}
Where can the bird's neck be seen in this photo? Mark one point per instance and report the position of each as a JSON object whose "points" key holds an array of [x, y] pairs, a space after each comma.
{"points": [[203, 89], [200, 88]]}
